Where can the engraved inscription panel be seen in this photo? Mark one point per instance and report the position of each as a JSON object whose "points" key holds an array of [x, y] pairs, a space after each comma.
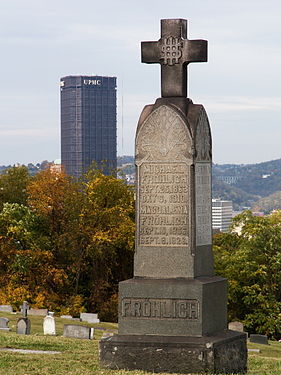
{"points": [[160, 308], [163, 213], [163, 158], [203, 204]]}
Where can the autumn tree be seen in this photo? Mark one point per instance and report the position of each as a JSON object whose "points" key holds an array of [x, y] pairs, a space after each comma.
{"points": [[71, 244], [250, 258], [108, 229], [27, 270], [13, 184]]}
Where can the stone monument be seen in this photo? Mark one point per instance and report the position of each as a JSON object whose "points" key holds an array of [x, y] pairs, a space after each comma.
{"points": [[173, 314], [23, 324]]}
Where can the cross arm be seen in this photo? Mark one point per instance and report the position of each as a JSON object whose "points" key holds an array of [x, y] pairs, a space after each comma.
{"points": [[195, 50], [150, 52]]}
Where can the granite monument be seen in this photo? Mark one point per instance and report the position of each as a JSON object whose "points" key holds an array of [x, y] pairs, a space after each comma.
{"points": [[173, 314]]}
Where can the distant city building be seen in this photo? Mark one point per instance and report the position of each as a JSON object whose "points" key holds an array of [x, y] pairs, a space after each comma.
{"points": [[56, 166], [221, 214], [88, 124]]}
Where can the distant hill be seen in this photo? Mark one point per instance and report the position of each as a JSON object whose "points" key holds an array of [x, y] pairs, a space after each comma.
{"points": [[247, 183], [268, 204], [125, 159]]}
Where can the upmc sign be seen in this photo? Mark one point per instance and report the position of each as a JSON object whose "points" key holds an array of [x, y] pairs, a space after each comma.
{"points": [[94, 82]]}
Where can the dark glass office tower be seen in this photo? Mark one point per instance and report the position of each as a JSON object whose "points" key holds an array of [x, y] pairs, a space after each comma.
{"points": [[88, 123]]}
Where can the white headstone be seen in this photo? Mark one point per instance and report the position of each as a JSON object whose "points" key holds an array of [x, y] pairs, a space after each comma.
{"points": [[90, 318], [49, 324]]}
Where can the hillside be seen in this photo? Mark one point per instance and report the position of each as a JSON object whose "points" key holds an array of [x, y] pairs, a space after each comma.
{"points": [[245, 184]]}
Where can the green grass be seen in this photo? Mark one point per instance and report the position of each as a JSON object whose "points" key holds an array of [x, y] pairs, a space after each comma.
{"points": [[80, 357]]}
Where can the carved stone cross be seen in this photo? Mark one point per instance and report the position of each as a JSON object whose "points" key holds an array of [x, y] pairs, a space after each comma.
{"points": [[174, 52], [24, 308]]}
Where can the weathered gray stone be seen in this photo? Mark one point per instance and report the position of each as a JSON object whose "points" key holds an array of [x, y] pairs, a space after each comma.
{"points": [[49, 324], [174, 50], [236, 326], [172, 314], [6, 308], [89, 317], [38, 312], [259, 339], [23, 326], [176, 307], [4, 324], [173, 158], [24, 308], [223, 353], [78, 331]]}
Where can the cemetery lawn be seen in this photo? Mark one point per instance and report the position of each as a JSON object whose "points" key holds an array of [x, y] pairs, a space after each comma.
{"points": [[80, 357]]}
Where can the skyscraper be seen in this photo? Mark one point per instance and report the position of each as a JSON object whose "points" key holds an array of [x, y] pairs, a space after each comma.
{"points": [[88, 123]]}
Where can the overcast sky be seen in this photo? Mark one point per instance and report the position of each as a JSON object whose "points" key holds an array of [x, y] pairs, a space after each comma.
{"points": [[43, 40]]}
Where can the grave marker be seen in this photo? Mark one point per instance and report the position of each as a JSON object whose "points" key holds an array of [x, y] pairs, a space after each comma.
{"points": [[6, 308], [23, 324], [172, 314], [49, 324], [90, 318], [259, 339], [4, 324], [236, 326], [78, 331]]}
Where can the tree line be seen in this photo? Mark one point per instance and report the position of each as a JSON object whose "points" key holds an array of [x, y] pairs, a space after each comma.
{"points": [[65, 244]]}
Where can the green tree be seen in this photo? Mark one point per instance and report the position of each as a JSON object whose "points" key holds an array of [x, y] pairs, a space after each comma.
{"points": [[251, 261], [13, 185]]}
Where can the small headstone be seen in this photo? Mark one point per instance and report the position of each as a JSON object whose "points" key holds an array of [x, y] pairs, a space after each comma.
{"points": [[23, 326], [90, 318], [6, 308], [78, 332], [49, 324], [254, 350], [66, 316], [259, 339], [236, 326], [4, 324], [39, 312]]}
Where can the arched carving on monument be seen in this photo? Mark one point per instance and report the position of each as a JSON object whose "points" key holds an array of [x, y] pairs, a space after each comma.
{"points": [[203, 141], [164, 135]]}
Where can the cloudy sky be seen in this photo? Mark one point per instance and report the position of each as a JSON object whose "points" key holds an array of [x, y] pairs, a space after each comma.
{"points": [[43, 40]]}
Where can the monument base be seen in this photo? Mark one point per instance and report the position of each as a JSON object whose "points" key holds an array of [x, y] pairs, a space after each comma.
{"points": [[225, 352]]}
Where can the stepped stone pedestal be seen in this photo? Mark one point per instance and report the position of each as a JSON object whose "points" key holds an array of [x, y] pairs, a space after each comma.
{"points": [[172, 314]]}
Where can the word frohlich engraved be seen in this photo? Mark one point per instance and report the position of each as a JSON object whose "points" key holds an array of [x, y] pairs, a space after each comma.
{"points": [[160, 308]]}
